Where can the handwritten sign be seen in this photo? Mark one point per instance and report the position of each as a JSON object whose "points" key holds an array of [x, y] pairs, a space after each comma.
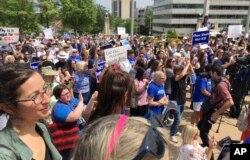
{"points": [[234, 31], [48, 33], [121, 30], [8, 35], [116, 55], [200, 37]]}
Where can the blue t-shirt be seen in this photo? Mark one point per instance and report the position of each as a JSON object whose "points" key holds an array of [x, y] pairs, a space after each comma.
{"points": [[157, 92], [61, 110], [81, 83], [201, 83]]}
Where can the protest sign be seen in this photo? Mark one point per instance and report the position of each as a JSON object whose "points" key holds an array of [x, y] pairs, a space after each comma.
{"points": [[115, 55], [121, 30], [34, 65], [48, 33], [126, 44], [8, 35], [234, 31], [200, 37], [100, 67]]}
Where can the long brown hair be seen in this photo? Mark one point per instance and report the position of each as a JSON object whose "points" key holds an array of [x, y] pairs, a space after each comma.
{"points": [[114, 87]]}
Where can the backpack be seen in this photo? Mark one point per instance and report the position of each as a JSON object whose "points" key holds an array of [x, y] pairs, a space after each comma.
{"points": [[242, 122]]}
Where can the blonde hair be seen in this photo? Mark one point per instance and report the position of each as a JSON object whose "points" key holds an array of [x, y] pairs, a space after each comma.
{"points": [[188, 134], [80, 65], [93, 144]]}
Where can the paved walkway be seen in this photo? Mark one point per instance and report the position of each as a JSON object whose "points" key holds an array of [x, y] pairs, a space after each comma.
{"points": [[227, 128]]}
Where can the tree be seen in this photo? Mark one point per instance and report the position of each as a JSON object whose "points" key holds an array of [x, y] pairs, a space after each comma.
{"points": [[48, 13], [149, 20], [172, 33], [118, 22], [79, 15], [19, 13], [100, 17]]}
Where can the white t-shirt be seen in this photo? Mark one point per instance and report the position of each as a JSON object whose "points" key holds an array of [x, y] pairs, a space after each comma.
{"points": [[192, 152], [3, 121]]}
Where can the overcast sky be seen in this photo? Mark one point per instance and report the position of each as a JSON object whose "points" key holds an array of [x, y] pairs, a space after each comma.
{"points": [[140, 3]]}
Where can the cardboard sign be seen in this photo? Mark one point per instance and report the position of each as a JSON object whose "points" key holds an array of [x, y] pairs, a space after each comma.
{"points": [[121, 30], [48, 33], [8, 35], [115, 55], [234, 31], [200, 37], [99, 69]]}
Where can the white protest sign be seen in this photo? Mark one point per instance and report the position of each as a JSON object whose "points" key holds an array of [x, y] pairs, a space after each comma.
{"points": [[115, 55], [234, 31], [203, 29], [8, 35], [121, 30], [48, 33]]}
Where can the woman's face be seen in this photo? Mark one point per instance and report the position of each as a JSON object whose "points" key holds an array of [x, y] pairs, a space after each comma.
{"points": [[28, 110], [65, 96]]}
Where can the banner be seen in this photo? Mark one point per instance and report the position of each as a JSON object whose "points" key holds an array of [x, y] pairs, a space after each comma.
{"points": [[234, 31], [115, 55], [99, 69], [8, 35], [121, 30], [200, 38], [48, 33]]}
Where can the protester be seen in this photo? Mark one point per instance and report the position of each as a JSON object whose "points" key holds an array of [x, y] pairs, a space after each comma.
{"points": [[191, 149], [24, 137], [113, 137], [68, 111], [114, 94]]}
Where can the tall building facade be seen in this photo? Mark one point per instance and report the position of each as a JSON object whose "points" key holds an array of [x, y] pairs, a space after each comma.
{"points": [[123, 8], [183, 15]]}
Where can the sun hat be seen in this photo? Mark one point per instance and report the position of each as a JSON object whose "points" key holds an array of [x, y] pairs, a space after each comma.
{"points": [[48, 71], [62, 55]]}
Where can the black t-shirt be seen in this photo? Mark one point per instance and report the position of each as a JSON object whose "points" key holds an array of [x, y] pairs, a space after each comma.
{"points": [[178, 89]]}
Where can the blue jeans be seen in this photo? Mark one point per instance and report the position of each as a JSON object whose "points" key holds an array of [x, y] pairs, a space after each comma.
{"points": [[177, 119]]}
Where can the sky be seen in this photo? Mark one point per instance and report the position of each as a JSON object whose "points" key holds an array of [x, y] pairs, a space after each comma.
{"points": [[140, 3]]}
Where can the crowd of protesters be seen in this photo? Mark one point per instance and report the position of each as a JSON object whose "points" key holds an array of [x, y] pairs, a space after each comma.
{"points": [[155, 75]]}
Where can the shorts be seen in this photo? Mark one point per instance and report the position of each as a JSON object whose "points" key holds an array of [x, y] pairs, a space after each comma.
{"points": [[197, 106]]}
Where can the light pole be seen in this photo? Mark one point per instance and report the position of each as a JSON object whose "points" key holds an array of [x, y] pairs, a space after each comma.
{"points": [[132, 20], [247, 21]]}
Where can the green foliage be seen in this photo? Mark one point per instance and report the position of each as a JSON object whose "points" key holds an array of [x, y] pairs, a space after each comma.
{"points": [[100, 18], [149, 20], [118, 22], [18, 13], [48, 13], [79, 15], [172, 33]]}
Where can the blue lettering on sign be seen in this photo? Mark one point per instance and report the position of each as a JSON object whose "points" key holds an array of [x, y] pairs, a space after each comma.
{"points": [[200, 37]]}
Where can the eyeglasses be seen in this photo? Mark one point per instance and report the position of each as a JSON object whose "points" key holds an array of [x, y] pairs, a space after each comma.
{"points": [[66, 94], [38, 98]]}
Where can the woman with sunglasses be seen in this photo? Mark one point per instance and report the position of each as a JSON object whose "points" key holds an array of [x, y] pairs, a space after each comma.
{"points": [[24, 98], [117, 137]]}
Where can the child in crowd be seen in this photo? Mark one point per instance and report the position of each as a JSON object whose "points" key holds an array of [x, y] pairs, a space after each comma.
{"points": [[190, 149]]}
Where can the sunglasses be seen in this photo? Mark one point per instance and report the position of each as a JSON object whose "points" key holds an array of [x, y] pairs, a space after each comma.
{"points": [[153, 143]]}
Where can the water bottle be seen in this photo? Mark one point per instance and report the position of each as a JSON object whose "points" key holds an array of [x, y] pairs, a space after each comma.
{"points": [[192, 78]]}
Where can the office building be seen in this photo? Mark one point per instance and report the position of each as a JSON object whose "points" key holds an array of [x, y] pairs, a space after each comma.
{"points": [[123, 8], [183, 15]]}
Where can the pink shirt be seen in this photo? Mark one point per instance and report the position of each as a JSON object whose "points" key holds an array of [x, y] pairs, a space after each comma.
{"points": [[142, 98]]}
